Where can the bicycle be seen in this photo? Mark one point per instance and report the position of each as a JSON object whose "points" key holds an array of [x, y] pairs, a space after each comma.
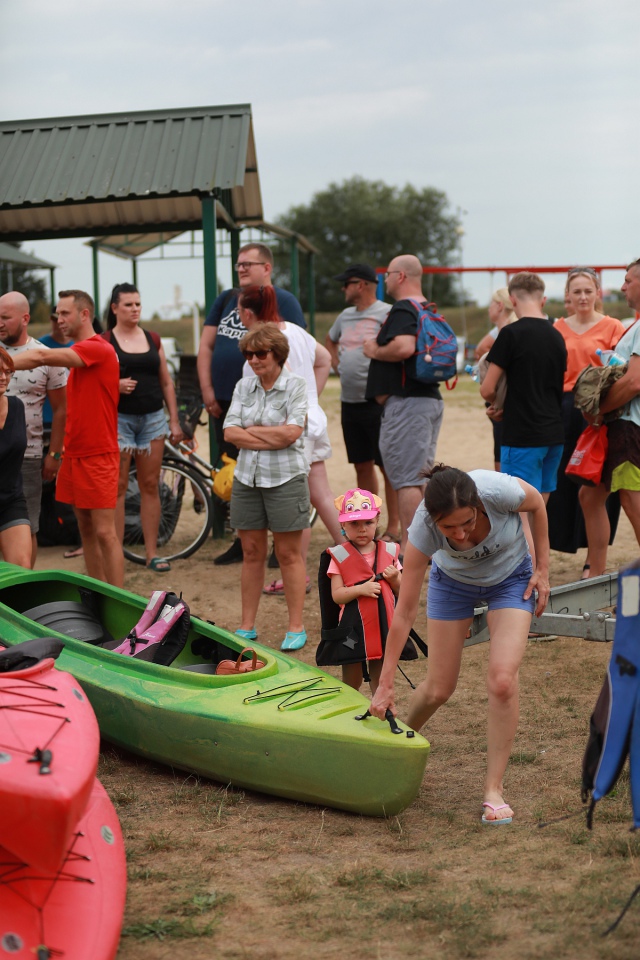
{"points": [[186, 499]]}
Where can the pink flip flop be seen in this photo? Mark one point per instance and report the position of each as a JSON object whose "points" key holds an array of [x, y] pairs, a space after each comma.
{"points": [[276, 588], [496, 821]]}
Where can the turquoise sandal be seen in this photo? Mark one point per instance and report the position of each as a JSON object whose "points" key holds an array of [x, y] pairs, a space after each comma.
{"points": [[294, 641]]}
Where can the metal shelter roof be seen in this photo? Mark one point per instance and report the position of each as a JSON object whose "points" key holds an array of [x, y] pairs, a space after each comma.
{"points": [[17, 257], [127, 172]]}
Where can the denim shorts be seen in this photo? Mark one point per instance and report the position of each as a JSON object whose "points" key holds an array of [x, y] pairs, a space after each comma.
{"points": [[136, 431], [449, 599]]}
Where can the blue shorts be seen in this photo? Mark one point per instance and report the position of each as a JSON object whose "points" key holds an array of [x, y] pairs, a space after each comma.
{"points": [[535, 465], [449, 599], [136, 431]]}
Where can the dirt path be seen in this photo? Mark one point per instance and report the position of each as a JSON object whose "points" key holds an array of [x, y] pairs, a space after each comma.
{"points": [[218, 872]]}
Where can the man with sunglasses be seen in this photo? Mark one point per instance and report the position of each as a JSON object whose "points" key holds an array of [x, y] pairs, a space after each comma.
{"points": [[622, 468], [219, 359], [360, 418], [412, 410]]}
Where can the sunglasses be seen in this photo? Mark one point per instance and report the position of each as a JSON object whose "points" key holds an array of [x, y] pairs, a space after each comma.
{"points": [[578, 270], [258, 354]]}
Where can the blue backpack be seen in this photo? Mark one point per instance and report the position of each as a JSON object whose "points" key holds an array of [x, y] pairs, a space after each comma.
{"points": [[436, 346]]}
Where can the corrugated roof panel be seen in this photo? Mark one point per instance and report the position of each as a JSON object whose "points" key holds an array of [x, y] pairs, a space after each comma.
{"points": [[79, 160]]}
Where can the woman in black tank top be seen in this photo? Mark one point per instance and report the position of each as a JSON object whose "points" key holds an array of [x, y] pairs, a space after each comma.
{"points": [[145, 387]]}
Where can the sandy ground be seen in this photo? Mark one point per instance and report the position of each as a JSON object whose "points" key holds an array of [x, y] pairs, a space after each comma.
{"points": [[218, 872]]}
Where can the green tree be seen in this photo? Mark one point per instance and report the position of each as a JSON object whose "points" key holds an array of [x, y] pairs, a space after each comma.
{"points": [[364, 221]]}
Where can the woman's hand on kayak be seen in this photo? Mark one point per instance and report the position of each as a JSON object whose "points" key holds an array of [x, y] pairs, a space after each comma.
{"points": [[383, 700]]}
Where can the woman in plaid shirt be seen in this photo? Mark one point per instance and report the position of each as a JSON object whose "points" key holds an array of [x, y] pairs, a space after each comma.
{"points": [[266, 421]]}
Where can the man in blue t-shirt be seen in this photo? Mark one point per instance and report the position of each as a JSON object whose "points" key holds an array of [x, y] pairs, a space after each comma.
{"points": [[219, 359]]}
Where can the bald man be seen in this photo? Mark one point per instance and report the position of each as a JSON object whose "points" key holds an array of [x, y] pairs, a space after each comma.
{"points": [[33, 387], [412, 410]]}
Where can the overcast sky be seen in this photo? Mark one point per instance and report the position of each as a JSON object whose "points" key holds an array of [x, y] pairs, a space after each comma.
{"points": [[526, 115]]}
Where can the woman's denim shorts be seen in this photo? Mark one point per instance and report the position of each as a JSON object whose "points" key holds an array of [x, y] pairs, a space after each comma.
{"points": [[136, 431], [449, 599]]}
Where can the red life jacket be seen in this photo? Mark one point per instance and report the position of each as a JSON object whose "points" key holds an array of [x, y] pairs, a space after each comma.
{"points": [[354, 569]]}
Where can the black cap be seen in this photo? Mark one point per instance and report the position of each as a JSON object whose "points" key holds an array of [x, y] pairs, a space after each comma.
{"points": [[358, 271]]}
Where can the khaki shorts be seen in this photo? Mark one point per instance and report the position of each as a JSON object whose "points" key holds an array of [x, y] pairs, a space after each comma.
{"points": [[408, 436], [282, 509]]}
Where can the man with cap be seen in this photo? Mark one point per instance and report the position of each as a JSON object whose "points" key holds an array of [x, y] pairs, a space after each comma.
{"points": [[360, 321]]}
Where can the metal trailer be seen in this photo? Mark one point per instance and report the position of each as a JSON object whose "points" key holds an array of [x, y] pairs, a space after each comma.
{"points": [[581, 609]]}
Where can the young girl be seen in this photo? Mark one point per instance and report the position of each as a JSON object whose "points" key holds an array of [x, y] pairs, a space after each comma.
{"points": [[365, 579]]}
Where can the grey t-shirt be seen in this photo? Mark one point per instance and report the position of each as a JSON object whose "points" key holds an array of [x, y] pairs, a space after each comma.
{"points": [[351, 328], [495, 557]]}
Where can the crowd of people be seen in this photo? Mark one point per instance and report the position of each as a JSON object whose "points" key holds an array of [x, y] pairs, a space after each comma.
{"points": [[483, 536]]}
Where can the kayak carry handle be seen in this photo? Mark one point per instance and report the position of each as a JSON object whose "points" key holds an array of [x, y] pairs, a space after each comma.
{"points": [[389, 717], [44, 758]]}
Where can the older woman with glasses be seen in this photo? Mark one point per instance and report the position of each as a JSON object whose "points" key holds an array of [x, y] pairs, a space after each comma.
{"points": [[15, 530], [265, 421], [585, 330], [309, 359]]}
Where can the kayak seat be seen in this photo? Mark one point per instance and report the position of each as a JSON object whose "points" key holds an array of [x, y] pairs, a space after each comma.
{"points": [[209, 649], [30, 652], [71, 618]]}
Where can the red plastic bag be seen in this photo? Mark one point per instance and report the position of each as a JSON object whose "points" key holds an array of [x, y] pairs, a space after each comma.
{"points": [[587, 460]]}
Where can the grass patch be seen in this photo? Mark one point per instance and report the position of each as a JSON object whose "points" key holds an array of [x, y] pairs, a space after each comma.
{"points": [[163, 840], [146, 875], [161, 929], [294, 888]]}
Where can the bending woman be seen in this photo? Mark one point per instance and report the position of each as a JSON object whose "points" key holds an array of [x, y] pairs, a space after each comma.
{"points": [[15, 531], [470, 525], [145, 382]]}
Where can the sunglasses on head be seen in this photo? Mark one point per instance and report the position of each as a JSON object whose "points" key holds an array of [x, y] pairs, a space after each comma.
{"points": [[577, 270], [258, 354]]}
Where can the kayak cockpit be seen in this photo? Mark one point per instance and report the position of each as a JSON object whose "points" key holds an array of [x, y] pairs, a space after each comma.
{"points": [[101, 616]]}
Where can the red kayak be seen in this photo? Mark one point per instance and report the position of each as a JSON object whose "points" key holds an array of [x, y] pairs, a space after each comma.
{"points": [[49, 743], [74, 912]]}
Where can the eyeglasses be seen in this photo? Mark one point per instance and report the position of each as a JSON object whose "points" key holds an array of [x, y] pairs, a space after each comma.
{"points": [[5, 374], [247, 264], [258, 354], [389, 272], [350, 283]]}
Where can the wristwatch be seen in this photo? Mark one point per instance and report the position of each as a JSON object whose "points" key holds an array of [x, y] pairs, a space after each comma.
{"points": [[56, 456]]}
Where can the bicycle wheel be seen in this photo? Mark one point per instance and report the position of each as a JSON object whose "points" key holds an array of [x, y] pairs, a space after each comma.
{"points": [[186, 514]]}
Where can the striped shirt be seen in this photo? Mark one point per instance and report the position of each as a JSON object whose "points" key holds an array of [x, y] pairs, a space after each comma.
{"points": [[251, 406]]}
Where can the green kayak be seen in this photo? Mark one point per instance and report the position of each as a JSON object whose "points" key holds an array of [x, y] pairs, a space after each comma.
{"points": [[287, 729]]}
